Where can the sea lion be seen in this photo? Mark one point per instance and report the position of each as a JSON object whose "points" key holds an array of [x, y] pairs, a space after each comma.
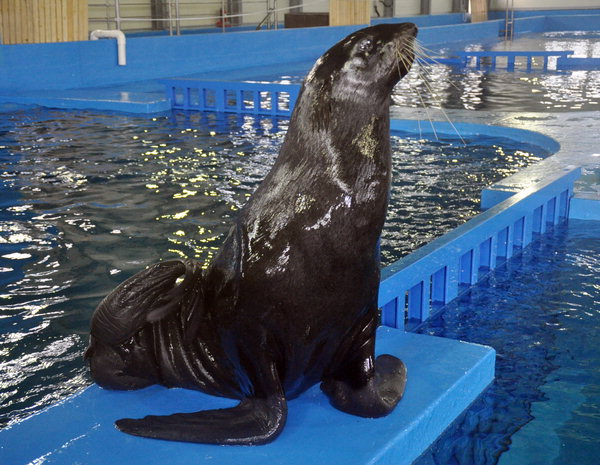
{"points": [[291, 298]]}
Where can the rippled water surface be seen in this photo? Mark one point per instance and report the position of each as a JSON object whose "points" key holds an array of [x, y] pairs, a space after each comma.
{"points": [[441, 86], [542, 315], [88, 199]]}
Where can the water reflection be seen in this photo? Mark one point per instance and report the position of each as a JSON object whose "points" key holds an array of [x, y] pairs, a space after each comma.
{"points": [[440, 86], [93, 198]]}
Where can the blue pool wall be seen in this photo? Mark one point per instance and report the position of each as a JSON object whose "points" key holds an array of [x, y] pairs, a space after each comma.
{"points": [[70, 65], [83, 64]]}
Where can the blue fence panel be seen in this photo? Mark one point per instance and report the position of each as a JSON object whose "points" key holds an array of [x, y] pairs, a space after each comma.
{"points": [[418, 284], [571, 63], [508, 59], [232, 97], [478, 57]]}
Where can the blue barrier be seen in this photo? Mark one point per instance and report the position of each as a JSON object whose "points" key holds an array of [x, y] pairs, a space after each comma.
{"points": [[578, 63], [419, 284], [489, 59], [232, 97]]}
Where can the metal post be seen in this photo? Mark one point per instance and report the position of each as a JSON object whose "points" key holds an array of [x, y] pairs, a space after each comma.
{"points": [[268, 17], [275, 19], [118, 15], [170, 18], [509, 22], [107, 11], [222, 15], [177, 18]]}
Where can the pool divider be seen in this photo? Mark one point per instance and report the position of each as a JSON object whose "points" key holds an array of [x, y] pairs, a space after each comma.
{"points": [[232, 96], [489, 59], [419, 284]]}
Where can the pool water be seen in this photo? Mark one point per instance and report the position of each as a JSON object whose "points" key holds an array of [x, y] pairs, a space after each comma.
{"points": [[88, 199], [541, 313], [442, 86]]}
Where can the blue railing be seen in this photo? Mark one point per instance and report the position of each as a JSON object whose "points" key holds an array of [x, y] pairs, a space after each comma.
{"points": [[478, 59], [508, 59], [419, 284], [232, 97], [570, 63]]}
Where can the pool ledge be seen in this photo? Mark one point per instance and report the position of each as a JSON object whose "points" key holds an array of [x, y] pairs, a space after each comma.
{"points": [[104, 99], [445, 376]]}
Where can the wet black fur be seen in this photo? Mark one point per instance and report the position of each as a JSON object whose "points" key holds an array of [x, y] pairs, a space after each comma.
{"points": [[291, 298]]}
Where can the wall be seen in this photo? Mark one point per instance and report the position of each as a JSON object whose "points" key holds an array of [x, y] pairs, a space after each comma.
{"points": [[99, 10], [441, 6], [94, 63], [254, 11], [316, 6], [35, 21], [544, 4], [407, 7], [583, 15]]}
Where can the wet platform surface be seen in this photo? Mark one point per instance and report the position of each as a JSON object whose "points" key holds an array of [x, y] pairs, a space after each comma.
{"points": [[444, 377]]}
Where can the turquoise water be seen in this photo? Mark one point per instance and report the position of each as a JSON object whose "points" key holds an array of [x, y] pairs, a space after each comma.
{"points": [[88, 199], [542, 315]]}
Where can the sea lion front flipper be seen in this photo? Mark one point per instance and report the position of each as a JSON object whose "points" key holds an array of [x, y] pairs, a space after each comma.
{"points": [[254, 421], [363, 386]]}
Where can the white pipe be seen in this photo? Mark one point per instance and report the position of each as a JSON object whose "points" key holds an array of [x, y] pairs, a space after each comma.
{"points": [[113, 34]]}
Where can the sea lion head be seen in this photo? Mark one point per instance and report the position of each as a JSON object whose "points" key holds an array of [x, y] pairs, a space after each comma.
{"points": [[361, 69]]}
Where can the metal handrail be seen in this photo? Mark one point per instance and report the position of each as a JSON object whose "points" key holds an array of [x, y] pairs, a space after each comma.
{"points": [[175, 20], [271, 17], [509, 22]]}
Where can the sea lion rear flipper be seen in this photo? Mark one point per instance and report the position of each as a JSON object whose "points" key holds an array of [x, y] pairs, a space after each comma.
{"points": [[365, 386], [257, 419], [253, 421]]}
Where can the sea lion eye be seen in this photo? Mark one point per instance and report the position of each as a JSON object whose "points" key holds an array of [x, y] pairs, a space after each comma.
{"points": [[365, 45]]}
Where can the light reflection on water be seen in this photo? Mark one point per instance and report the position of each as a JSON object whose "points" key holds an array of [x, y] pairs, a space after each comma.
{"points": [[471, 89], [441, 86], [93, 198]]}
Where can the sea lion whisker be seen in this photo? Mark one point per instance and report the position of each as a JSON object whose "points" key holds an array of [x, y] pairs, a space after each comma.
{"points": [[416, 89], [441, 108], [426, 112], [424, 72], [427, 62], [424, 77], [428, 69], [425, 50]]}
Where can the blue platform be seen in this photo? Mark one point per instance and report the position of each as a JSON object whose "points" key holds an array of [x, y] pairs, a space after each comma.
{"points": [[444, 377]]}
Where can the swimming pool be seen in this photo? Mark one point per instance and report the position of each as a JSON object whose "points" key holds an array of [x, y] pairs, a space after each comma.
{"points": [[443, 86], [65, 342], [541, 312], [98, 196]]}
